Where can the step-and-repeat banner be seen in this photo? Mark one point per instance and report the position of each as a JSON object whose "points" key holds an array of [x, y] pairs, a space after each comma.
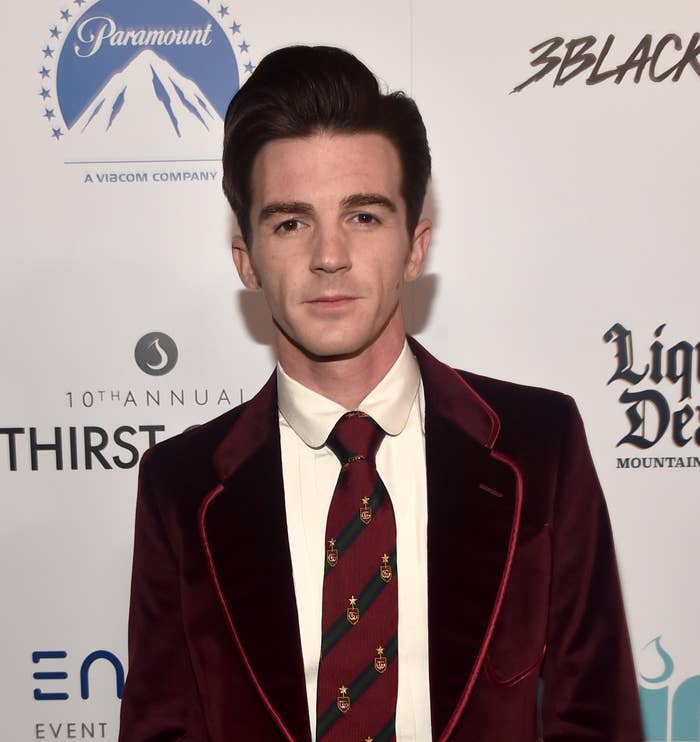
{"points": [[565, 255]]}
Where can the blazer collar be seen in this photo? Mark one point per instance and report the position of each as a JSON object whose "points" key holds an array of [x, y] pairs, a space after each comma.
{"points": [[244, 531], [474, 500], [259, 420], [451, 398]]}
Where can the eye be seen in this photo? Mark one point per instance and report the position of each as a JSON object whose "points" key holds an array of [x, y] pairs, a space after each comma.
{"points": [[365, 218], [288, 225]]}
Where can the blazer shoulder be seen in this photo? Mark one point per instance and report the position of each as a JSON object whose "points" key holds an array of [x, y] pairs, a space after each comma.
{"points": [[204, 435], [189, 454], [541, 431], [521, 406]]}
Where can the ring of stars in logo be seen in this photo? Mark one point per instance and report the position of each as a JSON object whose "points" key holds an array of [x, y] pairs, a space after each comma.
{"points": [[67, 16]]}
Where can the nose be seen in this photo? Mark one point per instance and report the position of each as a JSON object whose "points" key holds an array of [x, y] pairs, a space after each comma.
{"points": [[331, 251]]}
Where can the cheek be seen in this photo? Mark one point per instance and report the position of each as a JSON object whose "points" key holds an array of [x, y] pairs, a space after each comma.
{"points": [[281, 291], [393, 275], [269, 273]]}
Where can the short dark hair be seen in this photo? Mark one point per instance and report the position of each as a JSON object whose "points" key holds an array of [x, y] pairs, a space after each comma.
{"points": [[298, 91]]}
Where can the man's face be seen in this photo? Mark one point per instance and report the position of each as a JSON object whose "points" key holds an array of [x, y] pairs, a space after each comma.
{"points": [[330, 248]]}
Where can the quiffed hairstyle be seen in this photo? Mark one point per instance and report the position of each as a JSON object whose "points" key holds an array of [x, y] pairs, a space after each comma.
{"points": [[298, 91]]}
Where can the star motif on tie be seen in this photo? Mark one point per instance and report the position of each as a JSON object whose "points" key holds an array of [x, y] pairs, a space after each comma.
{"points": [[380, 651], [343, 700], [332, 553], [365, 511], [385, 569], [369, 739], [352, 612]]}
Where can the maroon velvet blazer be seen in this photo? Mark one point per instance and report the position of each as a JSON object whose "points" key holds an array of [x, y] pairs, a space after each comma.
{"points": [[524, 597]]}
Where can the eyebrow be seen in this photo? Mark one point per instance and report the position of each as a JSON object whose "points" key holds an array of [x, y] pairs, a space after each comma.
{"points": [[368, 199], [284, 207]]}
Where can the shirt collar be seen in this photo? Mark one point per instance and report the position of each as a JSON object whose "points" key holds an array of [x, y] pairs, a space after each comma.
{"points": [[312, 416]]}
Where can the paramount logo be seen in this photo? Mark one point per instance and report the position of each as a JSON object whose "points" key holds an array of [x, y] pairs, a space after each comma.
{"points": [[128, 81], [93, 32]]}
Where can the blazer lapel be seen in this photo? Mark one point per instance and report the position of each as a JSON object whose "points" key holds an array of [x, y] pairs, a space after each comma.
{"points": [[474, 500], [244, 531]]}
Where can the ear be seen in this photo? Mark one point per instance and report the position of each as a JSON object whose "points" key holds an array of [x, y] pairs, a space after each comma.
{"points": [[244, 265], [418, 252]]}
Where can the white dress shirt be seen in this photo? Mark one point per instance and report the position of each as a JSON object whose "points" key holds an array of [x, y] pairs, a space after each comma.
{"points": [[310, 471]]}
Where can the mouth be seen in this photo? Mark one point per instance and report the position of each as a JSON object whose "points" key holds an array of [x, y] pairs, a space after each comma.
{"points": [[336, 301]]}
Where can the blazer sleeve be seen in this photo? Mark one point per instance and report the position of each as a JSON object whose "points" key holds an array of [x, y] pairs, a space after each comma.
{"points": [[590, 691], [161, 701]]}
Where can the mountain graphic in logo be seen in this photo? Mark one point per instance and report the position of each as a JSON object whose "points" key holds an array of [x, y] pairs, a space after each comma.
{"points": [[141, 82], [152, 98]]}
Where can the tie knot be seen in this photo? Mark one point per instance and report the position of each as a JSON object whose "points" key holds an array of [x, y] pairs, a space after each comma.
{"points": [[355, 436]]}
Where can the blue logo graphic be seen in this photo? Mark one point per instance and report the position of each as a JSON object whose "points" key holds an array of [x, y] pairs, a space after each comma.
{"points": [[54, 669], [669, 717], [115, 72]]}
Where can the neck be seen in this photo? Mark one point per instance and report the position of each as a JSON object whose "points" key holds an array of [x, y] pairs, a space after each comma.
{"points": [[345, 379]]}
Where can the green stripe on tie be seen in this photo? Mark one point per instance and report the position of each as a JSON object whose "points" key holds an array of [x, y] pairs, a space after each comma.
{"points": [[355, 526], [355, 690], [387, 732], [341, 626]]}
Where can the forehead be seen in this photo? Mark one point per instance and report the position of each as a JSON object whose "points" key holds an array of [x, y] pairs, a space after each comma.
{"points": [[326, 167]]}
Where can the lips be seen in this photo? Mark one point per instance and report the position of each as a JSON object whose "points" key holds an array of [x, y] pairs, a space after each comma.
{"points": [[331, 300]]}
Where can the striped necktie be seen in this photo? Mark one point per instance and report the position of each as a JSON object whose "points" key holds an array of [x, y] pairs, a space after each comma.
{"points": [[358, 668]]}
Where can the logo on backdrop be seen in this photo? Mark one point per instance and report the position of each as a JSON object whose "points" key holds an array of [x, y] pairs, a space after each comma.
{"points": [[58, 677], [122, 80], [658, 396], [127, 428], [669, 716], [156, 354], [657, 60]]}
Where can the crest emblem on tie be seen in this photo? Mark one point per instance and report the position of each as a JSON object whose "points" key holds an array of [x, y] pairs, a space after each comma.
{"points": [[352, 612], [380, 661], [343, 699], [365, 511], [385, 571], [332, 553]]}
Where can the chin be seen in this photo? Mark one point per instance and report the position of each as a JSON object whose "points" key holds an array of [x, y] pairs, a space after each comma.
{"points": [[325, 347], [329, 351]]}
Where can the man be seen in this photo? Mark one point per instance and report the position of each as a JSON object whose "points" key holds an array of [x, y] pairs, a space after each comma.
{"points": [[376, 546]]}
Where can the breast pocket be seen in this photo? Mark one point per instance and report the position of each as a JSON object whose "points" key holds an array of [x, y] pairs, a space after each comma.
{"points": [[518, 643]]}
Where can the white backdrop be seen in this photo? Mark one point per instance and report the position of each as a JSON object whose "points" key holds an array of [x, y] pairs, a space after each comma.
{"points": [[561, 211]]}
